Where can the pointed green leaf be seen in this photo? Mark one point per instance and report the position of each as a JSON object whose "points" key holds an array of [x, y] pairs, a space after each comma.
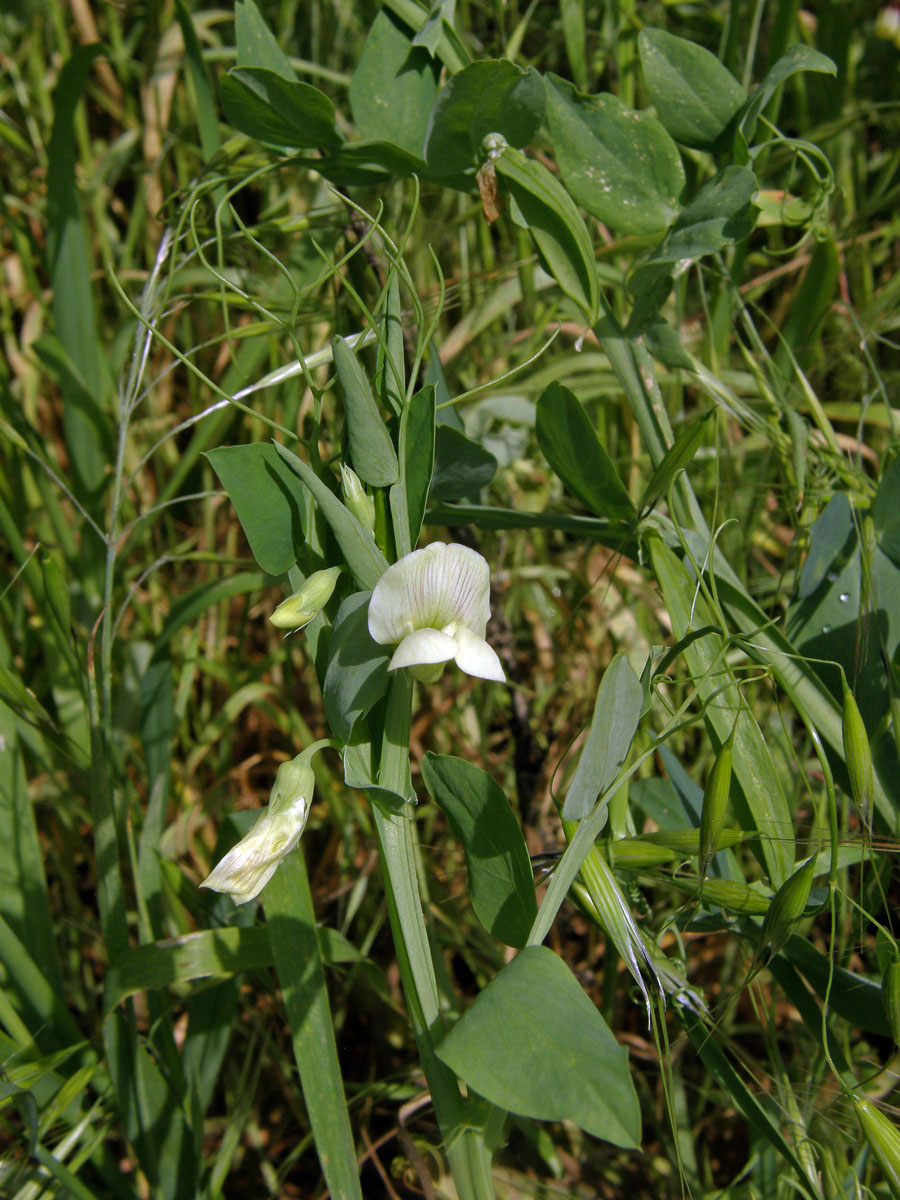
{"points": [[393, 86], [796, 58], [363, 557], [257, 46], [679, 455], [556, 226], [278, 111], [570, 445], [695, 97], [264, 492], [617, 711], [500, 877], [533, 1044], [371, 449]]}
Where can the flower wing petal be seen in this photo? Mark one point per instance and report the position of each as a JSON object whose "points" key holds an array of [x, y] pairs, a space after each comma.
{"points": [[423, 646], [475, 657]]}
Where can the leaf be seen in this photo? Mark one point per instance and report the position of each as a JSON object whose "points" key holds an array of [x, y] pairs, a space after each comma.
{"points": [[617, 712], [356, 676], [796, 58], [533, 1044], [572, 448], [256, 45], [278, 111], [679, 455], [371, 449], [84, 387], [828, 538], [694, 95], [360, 163], [264, 492], [500, 877], [886, 513], [556, 226], [619, 164], [461, 467], [490, 96], [393, 86], [363, 557], [417, 437]]}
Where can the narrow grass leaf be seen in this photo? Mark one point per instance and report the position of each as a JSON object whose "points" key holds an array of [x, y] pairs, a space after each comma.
{"points": [[617, 711], [570, 445], [760, 1113], [575, 38], [758, 796], [291, 921], [679, 455], [533, 1044], [500, 877]]}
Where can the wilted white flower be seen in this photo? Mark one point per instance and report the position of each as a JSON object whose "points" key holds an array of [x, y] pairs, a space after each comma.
{"points": [[436, 603], [247, 867], [298, 610]]}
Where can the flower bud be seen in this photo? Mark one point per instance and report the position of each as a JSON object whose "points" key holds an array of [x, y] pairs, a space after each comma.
{"points": [[247, 867], [298, 610], [858, 757], [357, 500]]}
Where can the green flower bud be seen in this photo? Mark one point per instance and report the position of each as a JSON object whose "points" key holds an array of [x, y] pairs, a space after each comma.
{"points": [[298, 610], [857, 756], [357, 500]]}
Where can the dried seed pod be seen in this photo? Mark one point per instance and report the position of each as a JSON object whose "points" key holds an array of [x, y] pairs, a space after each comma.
{"points": [[786, 908], [890, 997], [715, 802], [883, 1138], [858, 757]]}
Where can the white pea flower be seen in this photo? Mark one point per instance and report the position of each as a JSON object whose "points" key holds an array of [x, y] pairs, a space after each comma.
{"points": [[247, 867], [436, 603]]}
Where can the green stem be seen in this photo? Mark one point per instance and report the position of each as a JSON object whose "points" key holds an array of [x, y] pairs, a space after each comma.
{"points": [[466, 1151]]}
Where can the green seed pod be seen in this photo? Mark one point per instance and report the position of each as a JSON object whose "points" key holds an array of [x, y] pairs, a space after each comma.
{"points": [[883, 1138], [57, 594], [298, 610], [356, 498], [727, 894], [786, 908], [857, 756], [890, 997], [635, 853], [715, 802]]}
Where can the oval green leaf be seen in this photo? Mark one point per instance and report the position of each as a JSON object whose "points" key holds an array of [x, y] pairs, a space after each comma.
{"points": [[694, 95]]}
